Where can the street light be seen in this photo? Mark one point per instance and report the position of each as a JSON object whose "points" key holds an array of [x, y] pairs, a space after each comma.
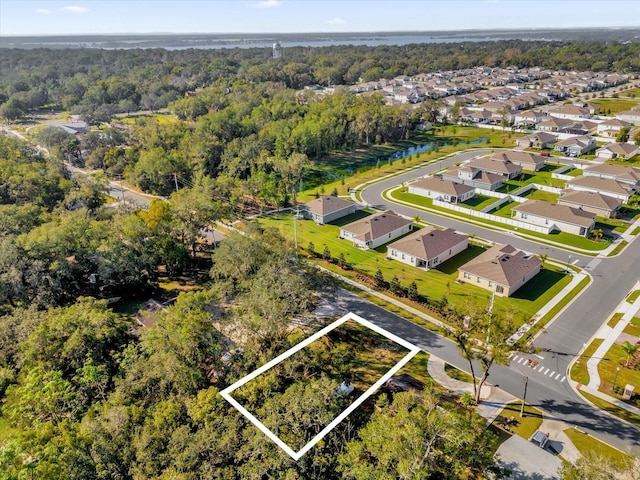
{"points": [[615, 378]]}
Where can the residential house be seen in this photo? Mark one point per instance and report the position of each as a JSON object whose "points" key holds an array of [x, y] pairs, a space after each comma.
{"points": [[621, 151], [474, 177], [594, 202], [576, 146], [439, 189], [530, 118], [428, 247], [631, 116], [376, 230], [501, 269], [621, 173], [502, 167], [554, 124], [570, 112], [605, 186], [539, 140], [525, 160], [611, 128], [328, 208], [555, 217]]}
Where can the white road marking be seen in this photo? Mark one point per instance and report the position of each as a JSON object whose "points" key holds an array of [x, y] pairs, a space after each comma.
{"points": [[563, 379], [545, 372], [541, 368], [539, 356], [552, 374], [521, 360], [557, 376]]}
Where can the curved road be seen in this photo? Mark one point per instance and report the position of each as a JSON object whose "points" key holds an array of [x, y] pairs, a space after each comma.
{"points": [[613, 278]]}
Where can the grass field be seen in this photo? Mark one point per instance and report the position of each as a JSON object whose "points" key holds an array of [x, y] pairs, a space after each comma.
{"points": [[541, 177], [607, 369], [579, 371], [434, 284], [505, 209], [611, 106], [535, 194], [588, 445], [527, 424], [478, 202]]}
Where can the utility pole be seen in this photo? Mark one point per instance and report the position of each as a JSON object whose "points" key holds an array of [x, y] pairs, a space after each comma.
{"points": [[493, 296], [175, 179], [295, 227], [526, 381]]}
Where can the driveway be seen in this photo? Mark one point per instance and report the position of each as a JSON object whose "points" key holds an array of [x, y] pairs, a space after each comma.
{"points": [[528, 461]]}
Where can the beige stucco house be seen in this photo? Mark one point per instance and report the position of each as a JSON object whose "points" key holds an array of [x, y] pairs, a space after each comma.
{"points": [[428, 247], [376, 230], [501, 269], [327, 209]]}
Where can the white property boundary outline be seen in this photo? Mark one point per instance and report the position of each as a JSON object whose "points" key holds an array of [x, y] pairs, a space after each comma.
{"points": [[226, 393]]}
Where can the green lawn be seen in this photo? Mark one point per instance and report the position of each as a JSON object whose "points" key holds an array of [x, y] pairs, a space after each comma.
{"points": [[574, 172], [535, 194], [540, 177], [434, 284], [505, 210], [611, 106], [614, 224], [527, 424], [608, 370], [478, 202], [579, 371], [588, 445], [612, 409], [633, 296]]}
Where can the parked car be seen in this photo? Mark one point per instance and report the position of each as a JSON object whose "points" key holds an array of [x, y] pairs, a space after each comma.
{"points": [[540, 438]]}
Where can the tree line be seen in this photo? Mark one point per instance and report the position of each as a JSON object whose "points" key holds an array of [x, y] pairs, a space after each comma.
{"points": [[99, 83]]}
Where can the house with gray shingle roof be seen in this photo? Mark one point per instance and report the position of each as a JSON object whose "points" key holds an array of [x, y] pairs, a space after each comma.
{"points": [[525, 160], [501, 269], [555, 217], [601, 205], [376, 230], [439, 189], [575, 146], [537, 140], [327, 209], [617, 150], [428, 247], [496, 165], [474, 177], [621, 173], [605, 186]]}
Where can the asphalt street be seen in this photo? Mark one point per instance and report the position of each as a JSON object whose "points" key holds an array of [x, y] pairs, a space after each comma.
{"points": [[613, 278]]}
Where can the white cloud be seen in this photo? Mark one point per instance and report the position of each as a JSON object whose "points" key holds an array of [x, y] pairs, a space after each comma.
{"points": [[337, 21], [43, 11], [268, 3], [74, 9]]}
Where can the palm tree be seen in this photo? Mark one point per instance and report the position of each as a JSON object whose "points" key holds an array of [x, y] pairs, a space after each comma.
{"points": [[630, 349]]}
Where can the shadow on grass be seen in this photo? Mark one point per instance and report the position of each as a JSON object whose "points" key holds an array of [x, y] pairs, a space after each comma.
{"points": [[451, 266], [478, 200], [354, 217], [538, 285]]}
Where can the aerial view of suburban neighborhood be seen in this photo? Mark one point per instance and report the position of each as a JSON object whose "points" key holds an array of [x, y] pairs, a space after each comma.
{"points": [[327, 240]]}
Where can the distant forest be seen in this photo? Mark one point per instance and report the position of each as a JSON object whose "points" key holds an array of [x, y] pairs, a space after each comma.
{"points": [[98, 83]]}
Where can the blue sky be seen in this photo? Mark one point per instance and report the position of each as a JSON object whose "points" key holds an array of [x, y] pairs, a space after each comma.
{"points": [[26, 17]]}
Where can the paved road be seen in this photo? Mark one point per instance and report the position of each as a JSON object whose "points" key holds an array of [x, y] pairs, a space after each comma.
{"points": [[557, 399], [548, 387]]}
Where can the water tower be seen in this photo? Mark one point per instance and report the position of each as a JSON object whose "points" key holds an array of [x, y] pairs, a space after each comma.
{"points": [[277, 50]]}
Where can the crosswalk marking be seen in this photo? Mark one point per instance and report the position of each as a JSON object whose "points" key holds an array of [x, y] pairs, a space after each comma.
{"points": [[521, 360], [541, 368], [552, 374], [563, 379], [557, 376], [546, 371]]}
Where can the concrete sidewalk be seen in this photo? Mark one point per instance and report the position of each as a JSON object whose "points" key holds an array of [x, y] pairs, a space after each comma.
{"points": [[494, 400]]}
